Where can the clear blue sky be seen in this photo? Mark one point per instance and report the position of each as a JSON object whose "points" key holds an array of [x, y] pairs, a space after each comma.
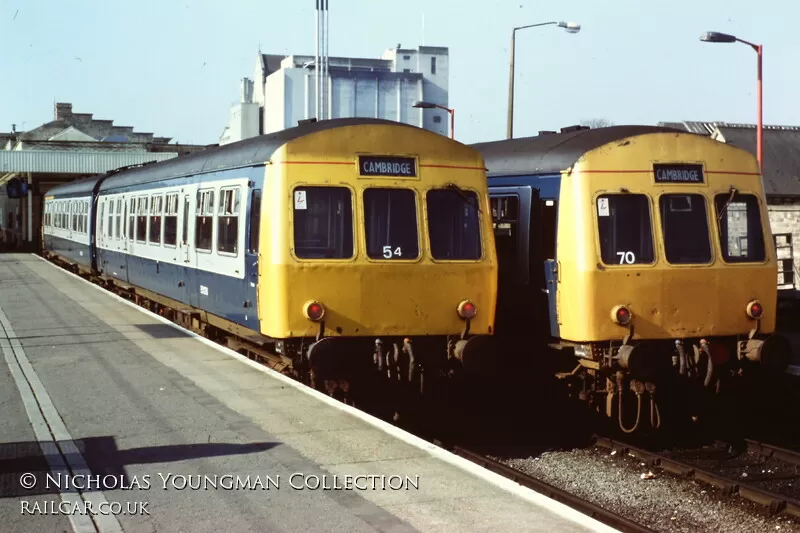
{"points": [[173, 67]]}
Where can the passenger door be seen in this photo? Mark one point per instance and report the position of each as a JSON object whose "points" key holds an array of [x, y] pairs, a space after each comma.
{"points": [[186, 254], [251, 258], [511, 222], [524, 290], [545, 218]]}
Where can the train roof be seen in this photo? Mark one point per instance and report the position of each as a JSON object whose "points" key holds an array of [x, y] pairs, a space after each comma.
{"points": [[82, 187], [552, 153], [248, 152]]}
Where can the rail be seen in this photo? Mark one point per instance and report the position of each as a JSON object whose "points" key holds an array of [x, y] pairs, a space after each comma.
{"points": [[775, 502]]}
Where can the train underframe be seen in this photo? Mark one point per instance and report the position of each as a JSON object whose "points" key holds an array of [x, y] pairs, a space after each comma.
{"points": [[641, 384]]}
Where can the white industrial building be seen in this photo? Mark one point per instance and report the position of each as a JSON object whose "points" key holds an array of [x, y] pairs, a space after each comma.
{"points": [[284, 91]]}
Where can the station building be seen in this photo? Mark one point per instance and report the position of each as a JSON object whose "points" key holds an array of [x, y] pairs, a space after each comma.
{"points": [[70, 147], [282, 91]]}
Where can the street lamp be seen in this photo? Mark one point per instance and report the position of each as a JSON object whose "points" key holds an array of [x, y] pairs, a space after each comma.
{"points": [[570, 27], [716, 37], [431, 105]]}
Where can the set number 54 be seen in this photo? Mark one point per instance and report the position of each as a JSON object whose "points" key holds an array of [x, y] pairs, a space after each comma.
{"points": [[388, 253]]}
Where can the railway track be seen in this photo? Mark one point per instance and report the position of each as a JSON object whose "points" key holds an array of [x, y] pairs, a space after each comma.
{"points": [[776, 502], [578, 503]]}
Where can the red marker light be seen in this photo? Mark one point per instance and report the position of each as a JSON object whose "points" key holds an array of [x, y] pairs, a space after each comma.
{"points": [[755, 309], [314, 311], [467, 309], [621, 315]]}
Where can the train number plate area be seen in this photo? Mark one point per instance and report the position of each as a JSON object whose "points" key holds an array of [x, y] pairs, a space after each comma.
{"points": [[678, 173], [404, 167]]}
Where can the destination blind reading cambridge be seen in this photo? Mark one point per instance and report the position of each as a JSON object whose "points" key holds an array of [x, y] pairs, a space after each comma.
{"points": [[387, 166], [678, 173]]}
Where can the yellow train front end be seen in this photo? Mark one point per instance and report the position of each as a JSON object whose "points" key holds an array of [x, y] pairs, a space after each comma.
{"points": [[376, 249], [667, 271]]}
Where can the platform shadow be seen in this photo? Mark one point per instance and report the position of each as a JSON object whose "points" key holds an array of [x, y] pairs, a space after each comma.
{"points": [[103, 458], [161, 331]]}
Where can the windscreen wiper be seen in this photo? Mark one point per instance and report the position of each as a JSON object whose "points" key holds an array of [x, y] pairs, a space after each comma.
{"points": [[469, 199]]}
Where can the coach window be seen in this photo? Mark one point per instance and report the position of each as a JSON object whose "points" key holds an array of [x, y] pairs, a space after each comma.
{"points": [[123, 229], [390, 223], [118, 222], [453, 224], [101, 219], [741, 234], [171, 220], [156, 210], [74, 206], [625, 229], [185, 230], [684, 223], [204, 220], [228, 221], [255, 221], [323, 222], [141, 219], [132, 219], [109, 232], [506, 224]]}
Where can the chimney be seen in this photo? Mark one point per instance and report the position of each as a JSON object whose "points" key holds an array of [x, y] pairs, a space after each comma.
{"points": [[63, 111], [13, 128]]}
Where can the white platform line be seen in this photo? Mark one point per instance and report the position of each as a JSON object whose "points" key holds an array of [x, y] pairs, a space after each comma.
{"points": [[440, 453], [55, 441], [793, 370]]}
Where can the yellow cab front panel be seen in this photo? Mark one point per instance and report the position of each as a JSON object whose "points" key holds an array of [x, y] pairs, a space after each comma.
{"points": [[649, 224], [385, 226]]}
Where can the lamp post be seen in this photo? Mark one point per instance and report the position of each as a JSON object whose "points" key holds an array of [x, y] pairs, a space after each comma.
{"points": [[716, 37], [431, 105], [570, 27]]}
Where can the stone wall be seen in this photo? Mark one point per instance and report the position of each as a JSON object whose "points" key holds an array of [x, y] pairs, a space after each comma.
{"points": [[785, 218]]}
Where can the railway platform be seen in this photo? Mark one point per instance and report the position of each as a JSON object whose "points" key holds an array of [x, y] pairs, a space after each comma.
{"points": [[116, 420]]}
